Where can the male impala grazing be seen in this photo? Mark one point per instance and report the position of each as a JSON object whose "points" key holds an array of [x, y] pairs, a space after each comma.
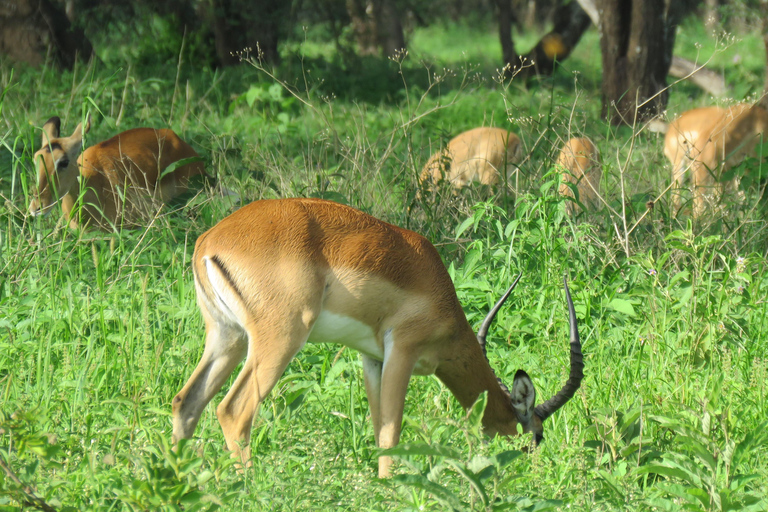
{"points": [[704, 142], [279, 273], [480, 154], [579, 163], [118, 177]]}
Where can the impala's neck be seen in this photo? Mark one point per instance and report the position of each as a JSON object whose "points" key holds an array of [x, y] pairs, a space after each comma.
{"points": [[467, 374]]}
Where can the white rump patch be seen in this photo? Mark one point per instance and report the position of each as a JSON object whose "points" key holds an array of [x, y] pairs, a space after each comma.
{"points": [[226, 301]]}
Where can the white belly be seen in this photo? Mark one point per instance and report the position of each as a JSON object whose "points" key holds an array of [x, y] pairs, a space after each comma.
{"points": [[333, 328]]}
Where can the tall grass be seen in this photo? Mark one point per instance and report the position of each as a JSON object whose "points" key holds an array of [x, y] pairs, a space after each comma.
{"points": [[98, 331]]}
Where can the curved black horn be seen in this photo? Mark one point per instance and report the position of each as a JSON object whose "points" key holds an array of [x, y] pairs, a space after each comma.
{"points": [[546, 409], [483, 332]]}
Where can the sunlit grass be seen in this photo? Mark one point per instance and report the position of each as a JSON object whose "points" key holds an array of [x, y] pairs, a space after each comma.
{"points": [[99, 331]]}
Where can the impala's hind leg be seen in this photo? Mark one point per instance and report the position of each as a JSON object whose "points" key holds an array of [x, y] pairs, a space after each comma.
{"points": [[678, 182], [225, 347], [704, 188], [273, 342]]}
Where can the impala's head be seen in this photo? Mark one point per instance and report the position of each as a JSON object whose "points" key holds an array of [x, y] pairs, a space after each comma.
{"points": [[522, 396], [56, 163]]}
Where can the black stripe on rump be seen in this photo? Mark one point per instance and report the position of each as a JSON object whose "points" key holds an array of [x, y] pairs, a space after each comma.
{"points": [[225, 272]]}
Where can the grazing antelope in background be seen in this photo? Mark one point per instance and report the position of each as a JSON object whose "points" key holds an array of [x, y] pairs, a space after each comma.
{"points": [[277, 274], [579, 163], [480, 155], [118, 178], [705, 142]]}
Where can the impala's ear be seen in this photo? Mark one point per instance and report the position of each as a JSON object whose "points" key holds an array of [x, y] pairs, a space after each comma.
{"points": [[523, 397], [51, 130], [80, 130]]}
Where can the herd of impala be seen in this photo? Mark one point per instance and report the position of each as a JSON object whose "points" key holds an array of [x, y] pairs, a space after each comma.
{"points": [[277, 274]]}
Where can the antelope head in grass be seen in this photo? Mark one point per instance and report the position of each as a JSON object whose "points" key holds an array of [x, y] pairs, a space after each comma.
{"points": [[115, 180]]}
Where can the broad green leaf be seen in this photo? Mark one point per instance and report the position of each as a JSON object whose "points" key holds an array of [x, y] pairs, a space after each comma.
{"points": [[475, 414], [612, 483], [622, 306], [472, 478], [463, 227], [432, 450], [663, 470], [438, 491], [505, 457], [178, 163]]}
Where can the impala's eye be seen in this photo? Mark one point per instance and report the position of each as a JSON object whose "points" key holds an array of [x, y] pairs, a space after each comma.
{"points": [[62, 164]]}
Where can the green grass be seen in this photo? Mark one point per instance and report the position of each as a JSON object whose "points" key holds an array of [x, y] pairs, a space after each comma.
{"points": [[98, 331]]}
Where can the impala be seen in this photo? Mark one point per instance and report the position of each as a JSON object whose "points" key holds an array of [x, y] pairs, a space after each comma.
{"points": [[118, 178], [579, 163], [480, 154], [277, 274], [703, 143]]}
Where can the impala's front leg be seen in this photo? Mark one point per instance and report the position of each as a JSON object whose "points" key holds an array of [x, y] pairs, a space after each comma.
{"points": [[372, 373], [396, 372]]}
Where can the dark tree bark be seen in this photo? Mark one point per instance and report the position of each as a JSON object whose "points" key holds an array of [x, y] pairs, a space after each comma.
{"points": [[391, 37], [534, 13], [764, 99], [508, 53], [636, 40], [32, 29], [570, 23], [238, 25], [377, 26], [763, 12], [711, 13], [363, 27]]}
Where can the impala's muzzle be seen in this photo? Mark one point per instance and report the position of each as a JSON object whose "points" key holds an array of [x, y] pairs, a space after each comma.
{"points": [[36, 210]]}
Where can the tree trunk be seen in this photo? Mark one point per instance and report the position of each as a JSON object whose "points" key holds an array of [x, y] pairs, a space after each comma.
{"points": [[508, 53], [711, 14], [636, 44], [377, 26], [240, 25], [32, 29], [530, 13], [363, 27], [570, 23], [764, 100], [391, 38]]}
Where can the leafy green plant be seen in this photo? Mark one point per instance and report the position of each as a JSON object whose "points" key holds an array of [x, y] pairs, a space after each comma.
{"points": [[702, 464], [481, 478]]}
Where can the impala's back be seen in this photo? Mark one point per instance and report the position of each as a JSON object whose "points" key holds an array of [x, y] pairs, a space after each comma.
{"points": [[119, 179], [704, 142], [483, 155], [340, 271]]}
